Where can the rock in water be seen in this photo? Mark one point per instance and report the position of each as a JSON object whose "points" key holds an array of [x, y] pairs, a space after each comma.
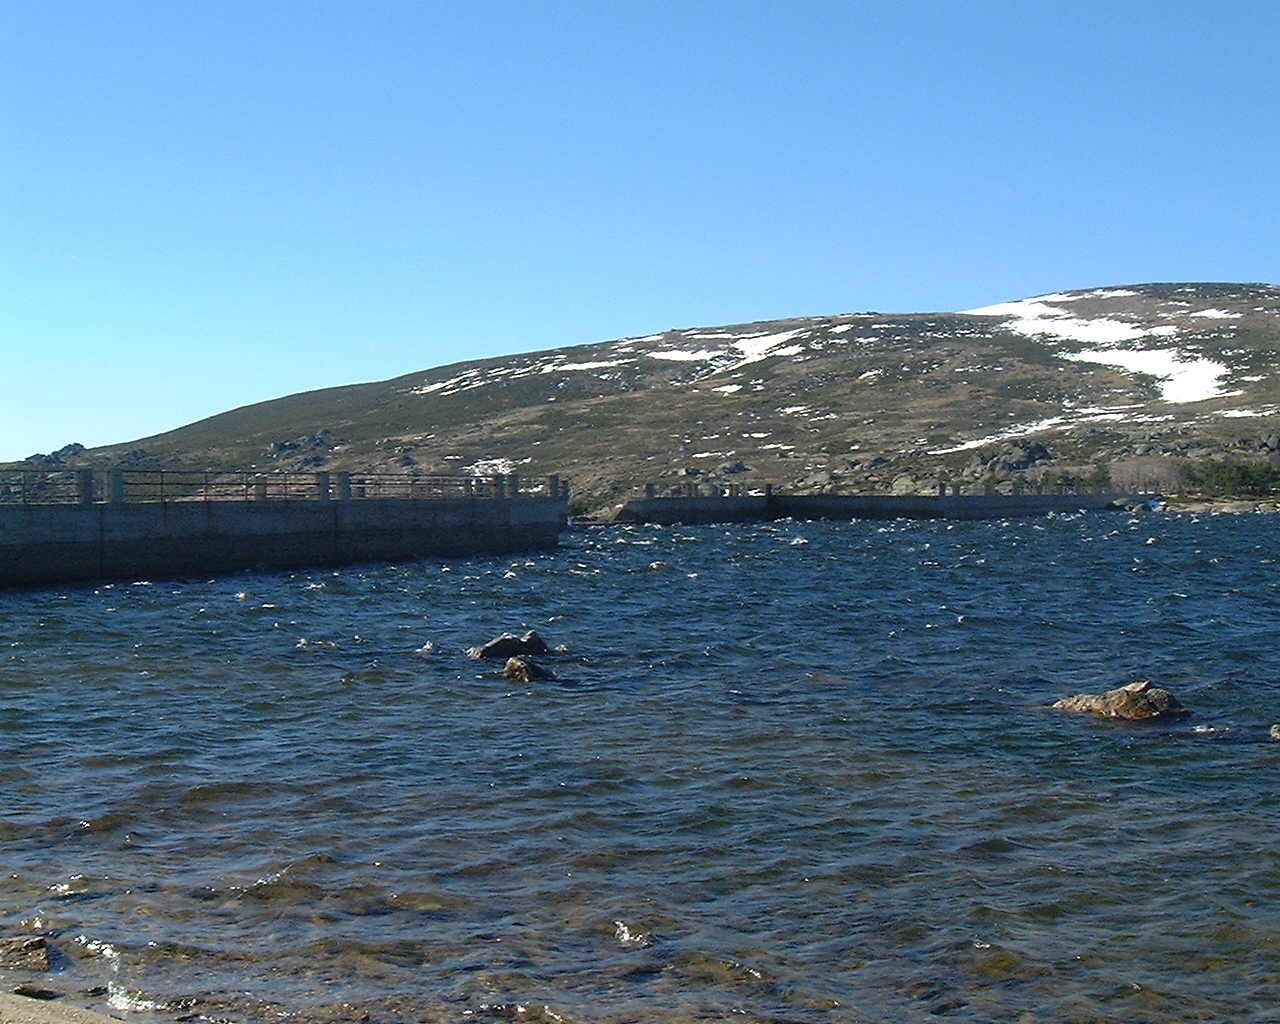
{"points": [[1134, 702], [36, 992], [1275, 731], [525, 670], [28, 953], [509, 646]]}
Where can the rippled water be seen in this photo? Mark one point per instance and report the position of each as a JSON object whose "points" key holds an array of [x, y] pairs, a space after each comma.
{"points": [[789, 772]]}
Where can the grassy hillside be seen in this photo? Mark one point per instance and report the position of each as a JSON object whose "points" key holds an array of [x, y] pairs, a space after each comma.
{"points": [[1148, 382]]}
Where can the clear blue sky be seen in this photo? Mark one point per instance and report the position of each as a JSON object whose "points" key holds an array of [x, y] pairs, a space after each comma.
{"points": [[206, 204]]}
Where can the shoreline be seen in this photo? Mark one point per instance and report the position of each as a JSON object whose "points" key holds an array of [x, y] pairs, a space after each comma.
{"points": [[15, 1009], [1221, 505]]}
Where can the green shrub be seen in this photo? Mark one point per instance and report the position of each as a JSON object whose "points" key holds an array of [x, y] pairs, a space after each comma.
{"points": [[1233, 476]]}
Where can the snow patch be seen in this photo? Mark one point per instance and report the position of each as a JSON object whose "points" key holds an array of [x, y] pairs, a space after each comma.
{"points": [[1022, 430], [762, 346], [600, 364], [1036, 318], [728, 389], [1181, 379], [492, 467], [676, 355], [1237, 414], [1217, 314], [1098, 293]]}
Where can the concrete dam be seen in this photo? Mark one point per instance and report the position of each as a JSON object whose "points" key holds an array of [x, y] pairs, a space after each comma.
{"points": [[692, 509], [133, 525]]}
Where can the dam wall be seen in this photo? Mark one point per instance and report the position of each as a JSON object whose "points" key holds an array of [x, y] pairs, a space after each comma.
{"points": [[62, 543], [694, 510]]}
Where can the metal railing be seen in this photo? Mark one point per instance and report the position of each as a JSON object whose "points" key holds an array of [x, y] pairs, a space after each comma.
{"points": [[1004, 488], [119, 484], [58, 487]]}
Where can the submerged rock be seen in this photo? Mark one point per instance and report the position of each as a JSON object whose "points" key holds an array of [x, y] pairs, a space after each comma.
{"points": [[509, 646], [36, 992], [28, 953], [1135, 702], [526, 670]]}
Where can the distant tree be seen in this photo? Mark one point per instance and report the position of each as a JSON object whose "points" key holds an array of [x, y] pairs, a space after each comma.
{"points": [[1234, 476]]}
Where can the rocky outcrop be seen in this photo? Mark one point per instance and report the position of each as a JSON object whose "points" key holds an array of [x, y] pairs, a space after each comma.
{"points": [[1013, 459], [526, 670], [27, 953], [508, 645], [1134, 702], [63, 456]]}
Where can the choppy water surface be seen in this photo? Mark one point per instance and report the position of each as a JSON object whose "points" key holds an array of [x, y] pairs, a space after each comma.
{"points": [[790, 772]]}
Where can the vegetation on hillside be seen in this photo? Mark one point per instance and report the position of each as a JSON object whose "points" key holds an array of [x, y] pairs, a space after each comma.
{"points": [[855, 402]]}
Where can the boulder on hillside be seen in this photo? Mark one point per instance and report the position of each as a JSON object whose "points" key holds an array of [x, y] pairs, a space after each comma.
{"points": [[1134, 702], [508, 645], [1013, 459], [526, 670]]}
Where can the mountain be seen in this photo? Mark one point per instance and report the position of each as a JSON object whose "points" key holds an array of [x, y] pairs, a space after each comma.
{"points": [[1150, 383]]}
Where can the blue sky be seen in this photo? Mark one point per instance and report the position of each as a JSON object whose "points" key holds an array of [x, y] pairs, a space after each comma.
{"points": [[204, 205]]}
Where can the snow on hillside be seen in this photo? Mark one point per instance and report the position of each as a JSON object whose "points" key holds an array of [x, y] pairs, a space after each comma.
{"points": [[1155, 333], [1181, 376]]}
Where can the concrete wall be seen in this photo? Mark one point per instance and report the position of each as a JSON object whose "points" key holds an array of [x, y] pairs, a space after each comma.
{"points": [[860, 506], [63, 543], [694, 510]]}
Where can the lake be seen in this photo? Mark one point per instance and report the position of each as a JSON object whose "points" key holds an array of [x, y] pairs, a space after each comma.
{"points": [[787, 772]]}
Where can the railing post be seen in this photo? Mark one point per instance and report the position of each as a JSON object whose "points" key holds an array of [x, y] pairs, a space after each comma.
{"points": [[115, 485], [499, 486], [84, 485], [553, 486], [515, 484], [322, 486], [344, 486], [259, 488], [650, 491]]}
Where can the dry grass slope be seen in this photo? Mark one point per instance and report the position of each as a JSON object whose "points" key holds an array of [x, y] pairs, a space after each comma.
{"points": [[1148, 383]]}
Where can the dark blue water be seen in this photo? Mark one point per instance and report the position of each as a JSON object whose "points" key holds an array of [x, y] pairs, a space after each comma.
{"points": [[788, 772]]}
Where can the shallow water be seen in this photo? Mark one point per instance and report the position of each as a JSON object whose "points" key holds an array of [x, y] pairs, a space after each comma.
{"points": [[789, 772]]}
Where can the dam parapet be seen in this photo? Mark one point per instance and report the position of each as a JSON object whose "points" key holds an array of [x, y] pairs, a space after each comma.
{"points": [[82, 525]]}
